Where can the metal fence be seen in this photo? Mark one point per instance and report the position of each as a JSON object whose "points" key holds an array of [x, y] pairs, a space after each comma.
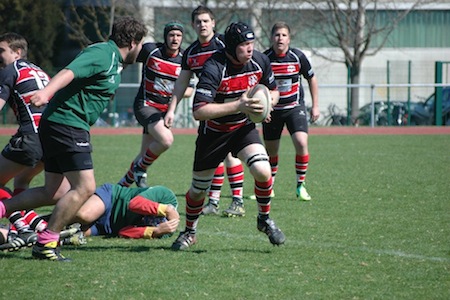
{"points": [[380, 105]]}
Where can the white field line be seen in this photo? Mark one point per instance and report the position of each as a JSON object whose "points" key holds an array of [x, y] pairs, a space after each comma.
{"points": [[260, 236]]}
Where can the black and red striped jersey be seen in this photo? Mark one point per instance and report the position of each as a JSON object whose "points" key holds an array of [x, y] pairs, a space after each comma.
{"points": [[288, 69], [221, 82], [159, 73], [18, 82], [196, 54]]}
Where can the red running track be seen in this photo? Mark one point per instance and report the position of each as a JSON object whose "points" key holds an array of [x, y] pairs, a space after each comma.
{"points": [[333, 130]]}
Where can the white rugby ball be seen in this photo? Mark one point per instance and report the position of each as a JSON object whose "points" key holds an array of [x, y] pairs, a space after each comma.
{"points": [[262, 93]]}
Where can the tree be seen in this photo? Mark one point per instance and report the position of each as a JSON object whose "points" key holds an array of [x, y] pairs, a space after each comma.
{"points": [[352, 26], [26, 18], [92, 21]]}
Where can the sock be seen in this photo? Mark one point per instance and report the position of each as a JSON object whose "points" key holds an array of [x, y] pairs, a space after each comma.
{"points": [[301, 166], [37, 223], [128, 178], [12, 230], [216, 185], [273, 160], [4, 194], [48, 236], [236, 179], [147, 160], [262, 193], [2, 210], [19, 221], [193, 211]]}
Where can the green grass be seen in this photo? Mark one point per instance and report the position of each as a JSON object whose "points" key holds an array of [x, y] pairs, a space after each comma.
{"points": [[378, 228]]}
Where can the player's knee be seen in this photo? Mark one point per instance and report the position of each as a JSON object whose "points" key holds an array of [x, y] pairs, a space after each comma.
{"points": [[200, 185], [259, 167], [257, 158]]}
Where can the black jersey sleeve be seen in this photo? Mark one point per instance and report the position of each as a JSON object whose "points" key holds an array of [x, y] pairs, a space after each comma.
{"points": [[209, 81], [268, 78], [7, 81], [145, 51], [305, 66]]}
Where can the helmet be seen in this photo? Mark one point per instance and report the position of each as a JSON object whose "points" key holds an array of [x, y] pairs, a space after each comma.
{"points": [[174, 25], [235, 34]]}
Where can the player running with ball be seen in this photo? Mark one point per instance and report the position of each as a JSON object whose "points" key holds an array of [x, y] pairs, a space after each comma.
{"points": [[221, 103]]}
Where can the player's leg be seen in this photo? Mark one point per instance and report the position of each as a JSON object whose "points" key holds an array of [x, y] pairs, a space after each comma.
{"points": [[297, 124], [211, 149], [195, 197], [158, 140], [23, 179], [300, 140], [212, 207], [235, 174], [272, 134], [32, 198], [91, 210], [257, 161], [8, 169]]}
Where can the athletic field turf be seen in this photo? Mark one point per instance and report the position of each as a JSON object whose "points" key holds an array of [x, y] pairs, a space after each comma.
{"points": [[378, 227]]}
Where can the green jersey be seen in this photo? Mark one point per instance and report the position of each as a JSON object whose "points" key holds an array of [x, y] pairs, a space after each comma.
{"points": [[121, 216], [97, 76]]}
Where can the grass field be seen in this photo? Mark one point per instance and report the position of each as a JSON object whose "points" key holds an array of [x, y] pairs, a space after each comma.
{"points": [[378, 228]]}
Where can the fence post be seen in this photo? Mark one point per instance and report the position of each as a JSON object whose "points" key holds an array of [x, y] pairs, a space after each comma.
{"points": [[372, 105], [438, 94]]}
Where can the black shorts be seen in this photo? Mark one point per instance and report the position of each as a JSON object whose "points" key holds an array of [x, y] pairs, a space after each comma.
{"points": [[212, 147], [24, 149], [66, 148], [146, 115], [294, 118]]}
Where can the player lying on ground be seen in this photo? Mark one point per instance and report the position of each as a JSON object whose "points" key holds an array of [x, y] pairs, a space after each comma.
{"points": [[114, 210]]}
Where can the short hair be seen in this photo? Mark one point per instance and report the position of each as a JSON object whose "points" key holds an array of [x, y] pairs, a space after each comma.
{"points": [[15, 42], [279, 25], [126, 30], [201, 10]]}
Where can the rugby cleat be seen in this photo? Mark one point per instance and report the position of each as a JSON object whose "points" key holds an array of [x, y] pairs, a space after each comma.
{"points": [[302, 194], [49, 251], [276, 236], [70, 230], [210, 209], [140, 176], [76, 239], [185, 240], [236, 209], [26, 238]]}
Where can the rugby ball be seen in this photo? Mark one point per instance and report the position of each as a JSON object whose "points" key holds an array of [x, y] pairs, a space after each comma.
{"points": [[262, 93]]}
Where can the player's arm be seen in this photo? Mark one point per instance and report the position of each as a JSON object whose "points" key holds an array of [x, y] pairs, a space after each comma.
{"points": [[179, 90], [314, 90], [275, 94], [62, 79], [145, 206], [2, 103]]}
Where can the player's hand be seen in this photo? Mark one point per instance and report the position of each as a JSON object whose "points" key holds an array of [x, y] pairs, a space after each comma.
{"points": [[40, 98], [166, 227], [249, 105], [169, 118], [315, 114]]}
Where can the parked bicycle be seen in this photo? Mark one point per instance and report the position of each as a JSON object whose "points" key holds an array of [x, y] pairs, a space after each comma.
{"points": [[334, 116]]}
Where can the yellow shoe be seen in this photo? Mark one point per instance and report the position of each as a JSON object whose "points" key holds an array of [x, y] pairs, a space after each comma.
{"points": [[302, 194], [253, 197], [49, 251]]}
